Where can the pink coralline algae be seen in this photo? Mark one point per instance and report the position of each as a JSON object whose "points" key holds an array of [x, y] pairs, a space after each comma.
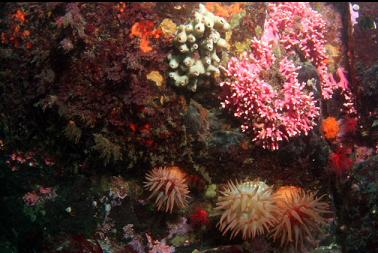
{"points": [[267, 96]]}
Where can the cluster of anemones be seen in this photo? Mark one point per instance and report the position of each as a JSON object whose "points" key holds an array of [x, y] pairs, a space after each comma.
{"points": [[290, 215]]}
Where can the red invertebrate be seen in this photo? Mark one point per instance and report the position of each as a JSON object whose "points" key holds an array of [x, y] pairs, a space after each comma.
{"points": [[340, 162], [349, 126], [200, 218]]}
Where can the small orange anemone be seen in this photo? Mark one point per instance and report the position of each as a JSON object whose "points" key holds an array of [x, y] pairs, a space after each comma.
{"points": [[299, 217], [330, 128]]}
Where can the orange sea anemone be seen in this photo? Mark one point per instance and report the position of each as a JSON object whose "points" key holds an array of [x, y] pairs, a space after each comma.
{"points": [[331, 128], [299, 217], [247, 208], [168, 185]]}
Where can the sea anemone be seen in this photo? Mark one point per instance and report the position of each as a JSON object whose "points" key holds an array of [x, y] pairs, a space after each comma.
{"points": [[248, 208], [168, 185], [299, 216], [331, 128]]}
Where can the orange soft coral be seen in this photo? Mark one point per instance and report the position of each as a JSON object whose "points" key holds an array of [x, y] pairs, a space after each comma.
{"points": [[20, 15], [145, 31], [223, 10], [331, 128]]}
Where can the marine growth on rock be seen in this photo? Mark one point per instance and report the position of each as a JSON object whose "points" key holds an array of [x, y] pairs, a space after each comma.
{"points": [[198, 47]]}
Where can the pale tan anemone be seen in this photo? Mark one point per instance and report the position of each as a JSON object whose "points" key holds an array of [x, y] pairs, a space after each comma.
{"points": [[168, 185], [247, 208], [299, 217]]}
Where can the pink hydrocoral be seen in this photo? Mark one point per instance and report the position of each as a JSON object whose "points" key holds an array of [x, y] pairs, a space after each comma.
{"points": [[299, 28], [267, 96], [35, 197], [343, 85], [265, 92]]}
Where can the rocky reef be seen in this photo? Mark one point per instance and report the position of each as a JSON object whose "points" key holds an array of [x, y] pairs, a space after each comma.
{"points": [[187, 127]]}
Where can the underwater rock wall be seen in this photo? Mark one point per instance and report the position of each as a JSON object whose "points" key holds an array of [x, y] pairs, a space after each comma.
{"points": [[113, 137]]}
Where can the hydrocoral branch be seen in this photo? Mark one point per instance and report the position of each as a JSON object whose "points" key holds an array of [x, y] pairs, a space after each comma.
{"points": [[344, 87], [265, 92], [300, 28], [274, 114]]}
